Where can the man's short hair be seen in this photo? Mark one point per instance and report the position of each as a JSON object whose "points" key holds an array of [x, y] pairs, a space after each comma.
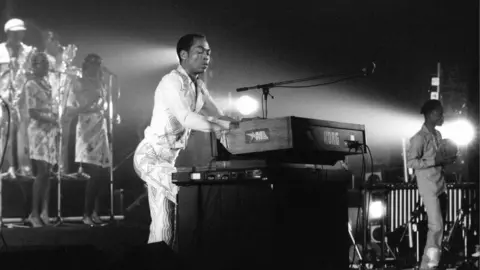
{"points": [[185, 43], [430, 106]]}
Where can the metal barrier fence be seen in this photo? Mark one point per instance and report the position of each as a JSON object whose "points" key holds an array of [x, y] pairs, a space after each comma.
{"points": [[402, 200]]}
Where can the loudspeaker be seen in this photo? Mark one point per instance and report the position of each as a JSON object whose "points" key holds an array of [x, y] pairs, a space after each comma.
{"points": [[376, 233], [301, 223], [226, 225], [312, 219]]}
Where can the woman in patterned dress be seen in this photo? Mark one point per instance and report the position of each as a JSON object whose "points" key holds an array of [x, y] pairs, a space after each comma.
{"points": [[91, 147], [43, 133]]}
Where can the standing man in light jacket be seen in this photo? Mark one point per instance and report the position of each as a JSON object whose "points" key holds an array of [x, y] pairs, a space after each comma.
{"points": [[425, 157]]}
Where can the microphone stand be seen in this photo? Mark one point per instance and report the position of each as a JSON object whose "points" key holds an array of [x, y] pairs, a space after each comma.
{"points": [[266, 87], [62, 74], [110, 143], [61, 99], [110, 121]]}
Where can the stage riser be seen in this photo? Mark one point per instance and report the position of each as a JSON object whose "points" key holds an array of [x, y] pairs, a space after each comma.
{"points": [[80, 247], [401, 203], [17, 199], [301, 222]]}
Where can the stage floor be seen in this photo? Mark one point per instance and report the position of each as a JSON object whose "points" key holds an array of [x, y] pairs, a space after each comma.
{"points": [[73, 235], [76, 245]]}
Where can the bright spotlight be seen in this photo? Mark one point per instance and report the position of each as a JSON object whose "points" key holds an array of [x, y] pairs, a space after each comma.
{"points": [[246, 105], [377, 210], [460, 131]]}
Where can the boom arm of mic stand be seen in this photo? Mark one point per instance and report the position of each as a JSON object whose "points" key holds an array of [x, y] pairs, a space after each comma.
{"points": [[365, 71], [266, 87], [272, 85], [260, 86]]}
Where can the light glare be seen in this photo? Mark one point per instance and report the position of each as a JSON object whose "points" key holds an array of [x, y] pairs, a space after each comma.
{"points": [[376, 210], [460, 131], [246, 105]]}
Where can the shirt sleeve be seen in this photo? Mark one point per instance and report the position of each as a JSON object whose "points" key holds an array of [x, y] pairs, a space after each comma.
{"points": [[171, 94], [210, 107], [415, 158]]}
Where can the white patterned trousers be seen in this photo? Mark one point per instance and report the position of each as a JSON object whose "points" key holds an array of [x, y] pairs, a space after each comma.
{"points": [[162, 212], [154, 165]]}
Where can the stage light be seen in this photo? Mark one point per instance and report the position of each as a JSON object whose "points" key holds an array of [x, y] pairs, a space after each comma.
{"points": [[246, 105], [377, 210], [460, 131]]}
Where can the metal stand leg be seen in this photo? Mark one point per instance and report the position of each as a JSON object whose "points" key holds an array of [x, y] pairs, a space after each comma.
{"points": [[382, 229], [110, 142], [59, 219], [465, 243], [366, 194], [137, 202], [390, 251], [59, 199], [417, 240], [112, 217], [1, 205], [354, 243], [59, 174]]}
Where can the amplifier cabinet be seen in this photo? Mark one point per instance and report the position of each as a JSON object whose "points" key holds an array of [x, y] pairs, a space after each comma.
{"points": [[298, 214]]}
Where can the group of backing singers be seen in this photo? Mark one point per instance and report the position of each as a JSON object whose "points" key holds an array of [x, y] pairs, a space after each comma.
{"points": [[182, 103], [37, 88]]}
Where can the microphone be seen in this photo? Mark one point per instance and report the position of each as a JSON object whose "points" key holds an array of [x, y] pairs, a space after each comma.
{"points": [[243, 89], [260, 86]]}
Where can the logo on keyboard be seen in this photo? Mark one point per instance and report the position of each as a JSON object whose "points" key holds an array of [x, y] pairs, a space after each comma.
{"points": [[257, 135], [331, 138]]}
